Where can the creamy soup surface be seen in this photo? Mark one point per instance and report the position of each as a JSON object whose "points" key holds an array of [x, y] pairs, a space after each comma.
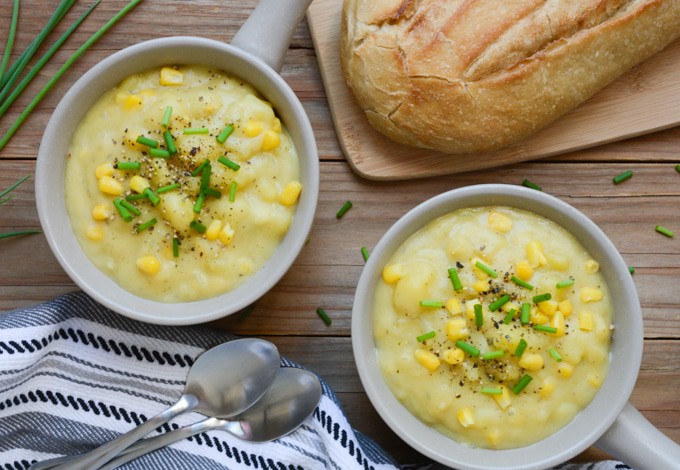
{"points": [[493, 326], [181, 182]]}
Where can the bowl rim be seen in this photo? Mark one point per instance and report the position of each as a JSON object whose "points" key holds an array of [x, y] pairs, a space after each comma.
{"points": [[106, 74], [625, 354]]}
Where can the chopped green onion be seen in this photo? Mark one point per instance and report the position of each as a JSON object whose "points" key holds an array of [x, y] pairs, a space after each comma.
{"points": [[200, 167], [11, 188], [521, 283], [623, 177], [426, 336], [232, 191], [555, 355], [521, 347], [493, 355], [166, 116], [245, 312], [524, 316], [198, 226], [531, 185], [151, 143], [521, 385], [175, 247], [677, 168], [205, 176], [565, 283], [199, 203], [169, 142], [10, 38], [345, 207], [146, 225], [508, 318], [468, 348], [483, 267], [479, 315], [545, 329], [16, 234], [165, 189], [224, 135], [128, 166], [631, 269], [195, 130], [130, 207], [364, 253], [232, 165], [664, 231], [212, 193], [124, 213], [541, 298], [455, 280], [492, 390], [135, 197], [153, 197], [499, 303], [324, 316], [431, 303], [159, 153]]}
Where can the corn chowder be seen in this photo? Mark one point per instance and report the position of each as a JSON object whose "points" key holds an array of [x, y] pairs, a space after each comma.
{"points": [[493, 326], [180, 183]]}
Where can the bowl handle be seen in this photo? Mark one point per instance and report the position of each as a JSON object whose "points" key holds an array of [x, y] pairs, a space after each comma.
{"points": [[267, 32], [635, 441]]}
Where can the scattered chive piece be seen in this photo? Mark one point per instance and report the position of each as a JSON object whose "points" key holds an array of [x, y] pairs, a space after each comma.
{"points": [[10, 38], [195, 130], [205, 176], [431, 303], [175, 247], [565, 283], [129, 207], [631, 269], [545, 328], [232, 191], [124, 213], [200, 167], [531, 185], [212, 193], [165, 189], [664, 231], [426, 336], [166, 116], [224, 135], [153, 197], [524, 316], [169, 142], [677, 168], [508, 318], [521, 385], [16, 234], [146, 225], [364, 253], [479, 315], [128, 166], [159, 153], [232, 165], [623, 177], [468, 348], [493, 355], [541, 297], [521, 283], [135, 197], [13, 187], [492, 390], [455, 280], [486, 269], [245, 312], [345, 207], [199, 203], [147, 141], [198, 226], [324, 316], [521, 347], [555, 355], [499, 303]]}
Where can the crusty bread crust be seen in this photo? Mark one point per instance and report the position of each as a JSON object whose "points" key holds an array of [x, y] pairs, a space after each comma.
{"points": [[463, 76]]}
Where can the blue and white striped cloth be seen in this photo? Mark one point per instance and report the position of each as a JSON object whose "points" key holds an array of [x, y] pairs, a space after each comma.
{"points": [[74, 374]]}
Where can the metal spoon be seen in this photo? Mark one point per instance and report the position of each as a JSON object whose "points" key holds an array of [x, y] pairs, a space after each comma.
{"points": [[292, 397], [224, 381]]}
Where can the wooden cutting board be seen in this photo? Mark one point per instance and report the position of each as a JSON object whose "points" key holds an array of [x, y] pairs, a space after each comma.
{"points": [[645, 100]]}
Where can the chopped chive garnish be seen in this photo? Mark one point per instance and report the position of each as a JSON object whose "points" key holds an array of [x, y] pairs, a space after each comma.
{"points": [[521, 347], [623, 177], [493, 355], [124, 213], [205, 176], [165, 189], [531, 185], [159, 153], [146, 225], [10, 38], [212, 193], [245, 312], [128, 166], [483, 267], [565, 283], [224, 135], [166, 116], [170, 142], [455, 280], [521, 283], [195, 130], [479, 315], [521, 385], [555, 355], [468, 348], [324, 316], [524, 316], [508, 318], [232, 165], [18, 233], [364, 253], [541, 298], [147, 141], [677, 168], [130, 207], [135, 197], [545, 329], [664, 231], [175, 247], [200, 167], [426, 336], [492, 390], [631, 269], [199, 203], [232, 191], [198, 226], [345, 207], [153, 197], [499, 303], [431, 303]]}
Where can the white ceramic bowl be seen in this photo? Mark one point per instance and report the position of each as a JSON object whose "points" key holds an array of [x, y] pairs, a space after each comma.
{"points": [[616, 426]]}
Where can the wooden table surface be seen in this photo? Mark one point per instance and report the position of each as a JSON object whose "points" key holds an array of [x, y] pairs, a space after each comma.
{"points": [[326, 272]]}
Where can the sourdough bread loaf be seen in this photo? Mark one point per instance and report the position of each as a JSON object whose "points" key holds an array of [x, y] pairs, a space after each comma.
{"points": [[462, 76]]}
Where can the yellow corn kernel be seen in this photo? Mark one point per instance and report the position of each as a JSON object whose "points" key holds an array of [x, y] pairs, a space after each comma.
{"points": [[291, 193], [534, 251], [226, 234], [585, 321], [101, 211], [148, 264], [392, 273], [547, 387], [538, 318], [558, 323], [524, 270], [253, 128], [531, 362], [565, 307], [132, 102], [427, 359], [511, 306], [453, 356], [558, 261], [565, 370], [499, 222], [592, 266], [138, 184], [213, 230], [453, 306], [246, 266], [493, 436], [108, 185], [95, 232], [591, 294], [503, 400], [456, 329], [276, 125], [171, 77], [470, 308], [481, 286], [271, 140], [595, 380], [548, 307], [465, 417], [105, 169]]}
